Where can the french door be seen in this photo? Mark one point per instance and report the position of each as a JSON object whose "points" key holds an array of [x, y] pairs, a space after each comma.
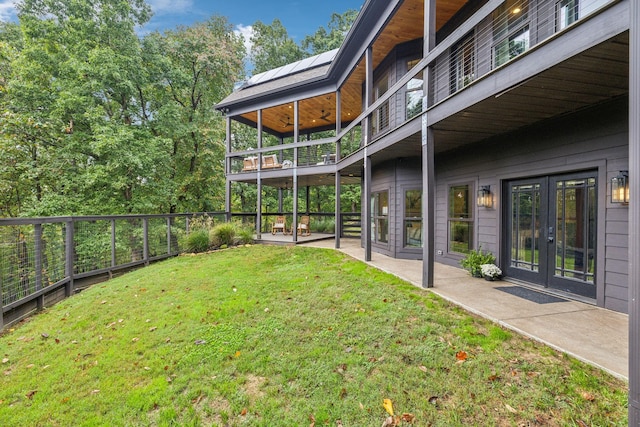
{"points": [[551, 231]]}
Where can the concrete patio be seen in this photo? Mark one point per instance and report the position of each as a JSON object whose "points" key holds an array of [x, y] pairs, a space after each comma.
{"points": [[591, 334]]}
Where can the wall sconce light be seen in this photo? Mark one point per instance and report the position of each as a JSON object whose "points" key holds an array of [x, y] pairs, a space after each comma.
{"points": [[485, 198], [620, 188]]}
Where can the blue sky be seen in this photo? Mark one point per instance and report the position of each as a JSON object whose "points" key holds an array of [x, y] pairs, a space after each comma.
{"points": [[299, 17]]}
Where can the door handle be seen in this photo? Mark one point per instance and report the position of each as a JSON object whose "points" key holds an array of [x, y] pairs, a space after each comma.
{"points": [[550, 236]]}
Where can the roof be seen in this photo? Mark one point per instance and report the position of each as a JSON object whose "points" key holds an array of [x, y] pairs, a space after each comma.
{"points": [[291, 74]]}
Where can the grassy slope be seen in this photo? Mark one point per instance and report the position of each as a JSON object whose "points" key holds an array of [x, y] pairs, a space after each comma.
{"points": [[266, 336]]}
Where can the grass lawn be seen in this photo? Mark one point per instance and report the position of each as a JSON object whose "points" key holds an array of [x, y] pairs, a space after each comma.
{"points": [[283, 336]]}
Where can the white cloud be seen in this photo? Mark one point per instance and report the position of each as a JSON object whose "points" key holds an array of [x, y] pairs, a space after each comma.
{"points": [[161, 7], [7, 10], [246, 32]]}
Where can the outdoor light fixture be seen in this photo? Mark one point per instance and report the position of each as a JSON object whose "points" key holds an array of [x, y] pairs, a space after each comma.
{"points": [[620, 188], [485, 198]]}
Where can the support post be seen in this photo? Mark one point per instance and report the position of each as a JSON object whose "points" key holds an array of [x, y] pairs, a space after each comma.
{"points": [[259, 182], [634, 214], [296, 138], [428, 154], [338, 217], [168, 235], [365, 221], [113, 243], [228, 188]]}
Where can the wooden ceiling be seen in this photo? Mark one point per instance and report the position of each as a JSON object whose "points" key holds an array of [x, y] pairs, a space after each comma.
{"points": [[319, 113]]}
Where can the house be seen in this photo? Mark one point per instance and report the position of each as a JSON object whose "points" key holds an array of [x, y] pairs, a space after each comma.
{"points": [[500, 124]]}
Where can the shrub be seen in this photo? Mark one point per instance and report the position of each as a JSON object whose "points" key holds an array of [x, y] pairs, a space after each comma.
{"points": [[197, 241], [474, 259], [222, 234], [245, 235]]}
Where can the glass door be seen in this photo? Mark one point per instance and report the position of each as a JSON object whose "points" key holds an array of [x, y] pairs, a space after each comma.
{"points": [[551, 236]]}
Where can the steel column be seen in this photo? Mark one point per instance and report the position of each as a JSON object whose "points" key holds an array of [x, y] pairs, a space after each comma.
{"points": [[634, 214]]}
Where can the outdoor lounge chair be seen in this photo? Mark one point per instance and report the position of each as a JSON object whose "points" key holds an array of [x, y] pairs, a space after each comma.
{"points": [[270, 162], [304, 227], [249, 164], [279, 225]]}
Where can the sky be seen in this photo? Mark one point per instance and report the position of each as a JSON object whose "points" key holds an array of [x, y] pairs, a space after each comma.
{"points": [[299, 17]]}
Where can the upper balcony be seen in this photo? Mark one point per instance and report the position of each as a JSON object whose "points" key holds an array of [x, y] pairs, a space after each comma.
{"points": [[497, 66]]}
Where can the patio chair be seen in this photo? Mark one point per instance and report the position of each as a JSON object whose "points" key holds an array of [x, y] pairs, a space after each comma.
{"points": [[249, 164], [304, 227], [270, 162], [279, 225]]}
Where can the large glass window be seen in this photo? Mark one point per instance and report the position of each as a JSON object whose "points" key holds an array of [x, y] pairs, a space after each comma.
{"points": [[413, 93], [567, 13], [380, 217], [463, 64], [511, 33], [380, 119], [413, 219], [460, 218]]}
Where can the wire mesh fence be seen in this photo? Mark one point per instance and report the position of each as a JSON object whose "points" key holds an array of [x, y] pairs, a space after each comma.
{"points": [[40, 255]]}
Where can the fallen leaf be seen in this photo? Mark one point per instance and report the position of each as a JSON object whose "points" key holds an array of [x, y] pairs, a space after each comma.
{"points": [[103, 302], [510, 409], [5, 360], [493, 377], [433, 400], [313, 421], [461, 355], [45, 335], [136, 339], [169, 379], [391, 422], [237, 354], [339, 423], [343, 393], [582, 424], [31, 394], [588, 396], [200, 342], [95, 391], [409, 418], [146, 368], [423, 368], [266, 310], [243, 412], [153, 328], [57, 341], [388, 406]]}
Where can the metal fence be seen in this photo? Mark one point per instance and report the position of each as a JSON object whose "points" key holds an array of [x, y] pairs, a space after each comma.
{"points": [[43, 260]]}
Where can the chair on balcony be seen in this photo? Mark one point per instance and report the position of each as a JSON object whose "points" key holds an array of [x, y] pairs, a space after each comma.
{"points": [[270, 162], [304, 226], [279, 225], [249, 164]]}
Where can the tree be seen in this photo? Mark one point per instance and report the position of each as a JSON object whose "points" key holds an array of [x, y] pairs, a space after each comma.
{"points": [[323, 40], [272, 47], [194, 68]]}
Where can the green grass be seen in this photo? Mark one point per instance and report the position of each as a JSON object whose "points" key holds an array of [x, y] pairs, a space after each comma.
{"points": [[279, 336]]}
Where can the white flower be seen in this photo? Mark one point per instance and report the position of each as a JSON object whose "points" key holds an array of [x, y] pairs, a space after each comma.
{"points": [[490, 270]]}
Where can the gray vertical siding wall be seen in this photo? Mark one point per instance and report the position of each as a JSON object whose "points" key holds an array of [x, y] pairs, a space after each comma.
{"points": [[395, 177], [592, 140]]}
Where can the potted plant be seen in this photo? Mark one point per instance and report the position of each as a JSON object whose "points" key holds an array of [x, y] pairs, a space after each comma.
{"points": [[474, 259], [490, 272]]}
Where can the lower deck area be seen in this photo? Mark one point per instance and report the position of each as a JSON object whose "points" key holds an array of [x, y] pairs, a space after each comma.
{"points": [[592, 334]]}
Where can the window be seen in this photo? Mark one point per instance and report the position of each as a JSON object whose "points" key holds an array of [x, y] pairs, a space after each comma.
{"points": [[413, 219], [380, 119], [380, 217], [567, 13], [460, 218], [413, 93], [462, 64], [510, 31]]}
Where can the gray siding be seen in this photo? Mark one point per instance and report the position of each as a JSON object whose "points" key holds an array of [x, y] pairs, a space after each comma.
{"points": [[593, 140]]}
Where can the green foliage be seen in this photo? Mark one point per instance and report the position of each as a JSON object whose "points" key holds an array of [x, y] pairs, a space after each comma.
{"points": [[272, 47], [222, 234], [474, 259], [244, 235], [323, 40], [197, 241]]}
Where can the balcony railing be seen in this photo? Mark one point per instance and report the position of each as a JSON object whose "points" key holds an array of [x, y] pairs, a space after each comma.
{"points": [[499, 32]]}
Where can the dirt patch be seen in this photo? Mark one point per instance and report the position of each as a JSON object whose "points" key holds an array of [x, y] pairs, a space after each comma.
{"points": [[253, 387]]}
